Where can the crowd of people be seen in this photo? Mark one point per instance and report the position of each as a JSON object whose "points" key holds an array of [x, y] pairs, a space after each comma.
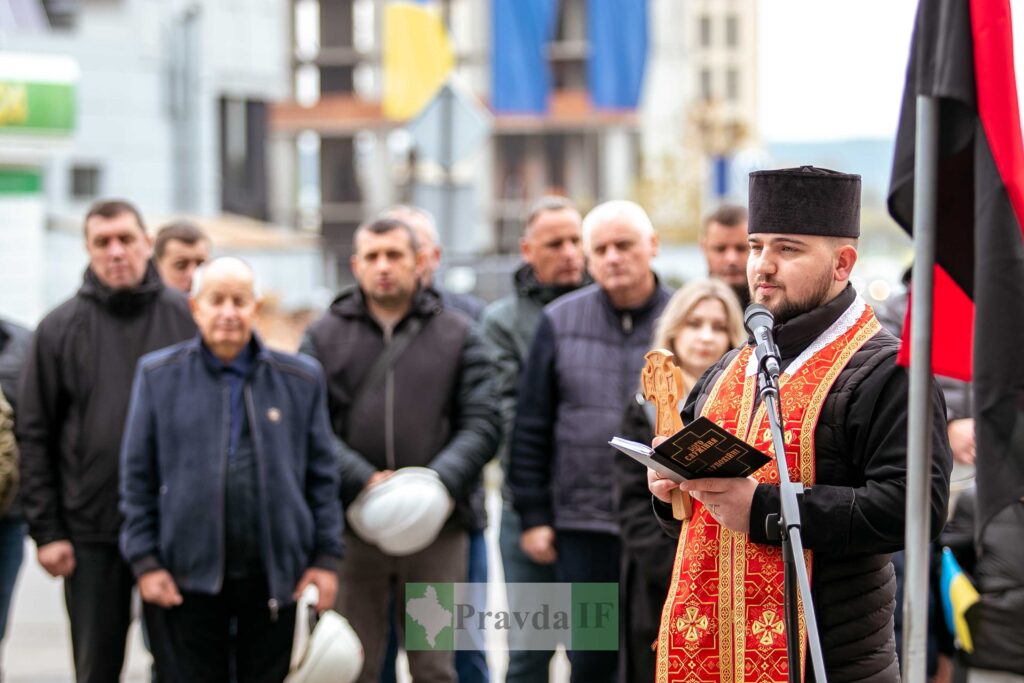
{"points": [[165, 446]]}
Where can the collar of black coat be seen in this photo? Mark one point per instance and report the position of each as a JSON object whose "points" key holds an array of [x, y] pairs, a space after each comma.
{"points": [[122, 302], [793, 336], [351, 303], [529, 287]]}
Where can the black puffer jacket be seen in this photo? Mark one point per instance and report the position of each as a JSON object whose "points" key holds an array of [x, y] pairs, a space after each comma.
{"points": [[996, 569], [74, 398], [853, 516], [436, 408]]}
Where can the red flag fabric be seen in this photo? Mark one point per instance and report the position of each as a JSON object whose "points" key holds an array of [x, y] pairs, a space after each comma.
{"points": [[952, 356], [962, 54]]}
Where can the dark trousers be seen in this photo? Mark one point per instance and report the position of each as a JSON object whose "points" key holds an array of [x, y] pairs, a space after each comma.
{"points": [[98, 596], [194, 642], [470, 665], [589, 557], [524, 666], [367, 580], [12, 547]]}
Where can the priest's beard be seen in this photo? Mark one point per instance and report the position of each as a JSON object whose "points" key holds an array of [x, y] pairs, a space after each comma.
{"points": [[785, 308]]}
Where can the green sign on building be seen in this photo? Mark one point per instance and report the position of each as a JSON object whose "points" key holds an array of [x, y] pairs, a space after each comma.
{"points": [[37, 94]]}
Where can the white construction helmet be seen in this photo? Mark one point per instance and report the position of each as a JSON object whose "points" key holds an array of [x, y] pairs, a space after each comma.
{"points": [[325, 650], [404, 513]]}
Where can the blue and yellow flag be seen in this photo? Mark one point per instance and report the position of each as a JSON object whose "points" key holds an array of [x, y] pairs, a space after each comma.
{"points": [[957, 597], [418, 56]]}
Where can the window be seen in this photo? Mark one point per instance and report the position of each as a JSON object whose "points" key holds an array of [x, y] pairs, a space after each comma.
{"points": [[63, 14], [243, 130], [732, 31], [705, 31], [85, 181], [706, 92], [732, 85]]}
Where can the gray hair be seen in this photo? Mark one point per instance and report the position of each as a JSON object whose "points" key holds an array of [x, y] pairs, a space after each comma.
{"points": [[400, 211], [616, 210], [200, 275]]}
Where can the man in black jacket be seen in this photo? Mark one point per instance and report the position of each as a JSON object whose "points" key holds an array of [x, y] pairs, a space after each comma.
{"points": [[845, 418], [432, 405], [583, 367], [73, 400]]}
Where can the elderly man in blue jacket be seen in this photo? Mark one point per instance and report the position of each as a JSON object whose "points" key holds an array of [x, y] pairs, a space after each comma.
{"points": [[229, 490]]}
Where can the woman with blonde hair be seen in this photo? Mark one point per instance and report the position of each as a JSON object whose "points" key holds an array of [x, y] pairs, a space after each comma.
{"points": [[699, 324]]}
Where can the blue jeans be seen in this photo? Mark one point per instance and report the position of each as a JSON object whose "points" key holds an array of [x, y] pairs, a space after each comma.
{"points": [[524, 666], [471, 666], [12, 549]]}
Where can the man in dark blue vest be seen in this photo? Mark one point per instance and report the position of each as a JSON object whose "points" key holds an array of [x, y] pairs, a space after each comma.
{"points": [[583, 368]]}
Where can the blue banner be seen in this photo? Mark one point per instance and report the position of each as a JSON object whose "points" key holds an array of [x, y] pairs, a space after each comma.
{"points": [[618, 52], [520, 75]]}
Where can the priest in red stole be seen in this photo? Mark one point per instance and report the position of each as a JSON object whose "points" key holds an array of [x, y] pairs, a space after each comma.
{"points": [[844, 406]]}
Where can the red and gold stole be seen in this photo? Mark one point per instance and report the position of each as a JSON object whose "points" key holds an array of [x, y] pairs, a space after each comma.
{"points": [[723, 616]]}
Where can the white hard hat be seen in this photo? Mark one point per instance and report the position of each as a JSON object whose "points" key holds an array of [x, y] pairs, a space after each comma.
{"points": [[404, 513], [331, 653]]}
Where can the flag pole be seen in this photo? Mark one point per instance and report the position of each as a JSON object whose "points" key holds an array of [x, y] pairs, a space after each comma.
{"points": [[919, 442]]}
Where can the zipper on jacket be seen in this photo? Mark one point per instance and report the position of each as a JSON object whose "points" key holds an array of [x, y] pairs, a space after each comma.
{"points": [[389, 406], [266, 547], [225, 444], [627, 323], [273, 607]]}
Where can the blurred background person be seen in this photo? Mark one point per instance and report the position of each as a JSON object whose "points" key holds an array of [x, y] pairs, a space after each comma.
{"points": [[409, 386], [223, 579], [14, 345], [553, 265], [180, 248], [471, 665], [993, 559], [580, 374], [72, 403], [424, 225], [723, 240], [700, 323]]}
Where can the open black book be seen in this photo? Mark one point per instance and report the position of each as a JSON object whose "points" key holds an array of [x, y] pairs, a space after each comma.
{"points": [[701, 450]]}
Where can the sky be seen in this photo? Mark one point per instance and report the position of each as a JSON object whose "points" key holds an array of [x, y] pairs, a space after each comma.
{"points": [[832, 69]]}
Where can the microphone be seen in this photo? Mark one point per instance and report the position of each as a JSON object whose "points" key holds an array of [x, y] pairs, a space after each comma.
{"points": [[759, 323]]}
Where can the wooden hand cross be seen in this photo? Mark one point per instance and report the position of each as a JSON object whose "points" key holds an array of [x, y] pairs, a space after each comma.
{"points": [[662, 382]]}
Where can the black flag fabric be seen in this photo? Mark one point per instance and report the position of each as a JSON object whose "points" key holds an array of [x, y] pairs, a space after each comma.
{"points": [[962, 54]]}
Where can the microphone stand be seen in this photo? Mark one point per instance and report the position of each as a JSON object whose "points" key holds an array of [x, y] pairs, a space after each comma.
{"points": [[787, 525]]}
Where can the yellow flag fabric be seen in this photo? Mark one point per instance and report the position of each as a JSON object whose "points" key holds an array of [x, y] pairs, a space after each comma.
{"points": [[418, 57]]}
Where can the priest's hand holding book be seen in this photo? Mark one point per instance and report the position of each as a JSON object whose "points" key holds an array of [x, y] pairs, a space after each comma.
{"points": [[712, 465]]}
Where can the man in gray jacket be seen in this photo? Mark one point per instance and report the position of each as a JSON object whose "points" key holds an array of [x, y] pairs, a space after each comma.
{"points": [[583, 367], [552, 253]]}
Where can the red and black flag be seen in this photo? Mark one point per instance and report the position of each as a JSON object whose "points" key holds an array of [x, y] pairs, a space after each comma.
{"points": [[962, 54]]}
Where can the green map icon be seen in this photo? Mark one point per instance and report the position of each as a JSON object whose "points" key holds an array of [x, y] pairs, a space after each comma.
{"points": [[429, 616]]}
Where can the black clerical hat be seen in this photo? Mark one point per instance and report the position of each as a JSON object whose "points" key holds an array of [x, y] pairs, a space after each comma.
{"points": [[805, 201]]}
